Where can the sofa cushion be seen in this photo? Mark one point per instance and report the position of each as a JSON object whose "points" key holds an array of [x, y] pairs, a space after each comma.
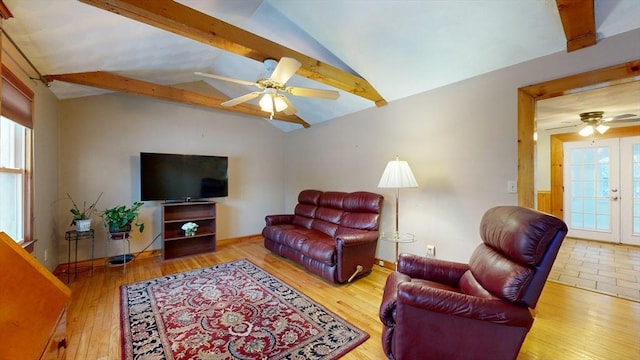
{"points": [[276, 232], [310, 197], [362, 221], [332, 199], [304, 215], [362, 202], [325, 227], [321, 248]]}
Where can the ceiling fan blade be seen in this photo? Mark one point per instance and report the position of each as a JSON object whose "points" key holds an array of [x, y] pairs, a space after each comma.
{"points": [[290, 110], [563, 127], [284, 71], [621, 121], [241, 99], [316, 93], [619, 117], [224, 78]]}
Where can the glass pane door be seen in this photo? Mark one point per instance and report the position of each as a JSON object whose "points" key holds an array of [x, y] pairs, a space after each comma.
{"points": [[630, 194], [591, 173]]}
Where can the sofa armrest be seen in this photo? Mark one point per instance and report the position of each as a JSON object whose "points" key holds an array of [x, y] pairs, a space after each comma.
{"points": [[441, 271], [356, 239], [452, 303], [278, 219], [355, 254]]}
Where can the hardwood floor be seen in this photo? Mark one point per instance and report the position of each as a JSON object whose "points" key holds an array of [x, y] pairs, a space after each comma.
{"points": [[570, 323]]}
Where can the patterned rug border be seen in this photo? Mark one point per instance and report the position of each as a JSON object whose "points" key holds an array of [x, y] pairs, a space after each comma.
{"points": [[126, 344]]}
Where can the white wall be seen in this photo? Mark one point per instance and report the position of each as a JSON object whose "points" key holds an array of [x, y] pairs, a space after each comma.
{"points": [[100, 141], [460, 140], [45, 162]]}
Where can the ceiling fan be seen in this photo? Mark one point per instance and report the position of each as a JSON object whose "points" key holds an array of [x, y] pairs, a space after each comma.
{"points": [[594, 121], [273, 88]]}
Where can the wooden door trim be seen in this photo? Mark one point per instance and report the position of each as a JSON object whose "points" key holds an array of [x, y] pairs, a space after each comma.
{"points": [[527, 97]]}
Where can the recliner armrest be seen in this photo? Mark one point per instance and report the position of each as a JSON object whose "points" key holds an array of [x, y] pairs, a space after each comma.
{"points": [[390, 298], [278, 219], [457, 304], [445, 272]]}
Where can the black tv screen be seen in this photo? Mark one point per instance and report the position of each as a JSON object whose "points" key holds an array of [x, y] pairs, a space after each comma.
{"points": [[177, 177]]}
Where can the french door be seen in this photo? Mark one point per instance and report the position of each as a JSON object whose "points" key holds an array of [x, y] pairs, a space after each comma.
{"points": [[602, 189]]}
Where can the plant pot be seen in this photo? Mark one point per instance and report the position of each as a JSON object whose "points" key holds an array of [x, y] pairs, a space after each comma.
{"points": [[116, 229], [83, 225]]}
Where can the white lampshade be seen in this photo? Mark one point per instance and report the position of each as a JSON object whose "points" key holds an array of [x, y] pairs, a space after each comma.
{"points": [[268, 100], [586, 131], [397, 174], [602, 128]]}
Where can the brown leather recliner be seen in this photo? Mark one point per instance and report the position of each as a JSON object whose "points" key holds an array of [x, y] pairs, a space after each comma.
{"points": [[436, 309]]}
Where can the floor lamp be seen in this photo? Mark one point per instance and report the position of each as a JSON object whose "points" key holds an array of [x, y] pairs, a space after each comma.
{"points": [[397, 175]]}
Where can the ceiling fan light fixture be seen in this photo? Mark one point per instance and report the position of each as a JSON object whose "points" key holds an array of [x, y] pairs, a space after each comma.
{"points": [[602, 128], [586, 131], [268, 101]]}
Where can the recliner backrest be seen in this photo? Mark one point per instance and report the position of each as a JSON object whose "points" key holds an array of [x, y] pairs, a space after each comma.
{"points": [[515, 258]]}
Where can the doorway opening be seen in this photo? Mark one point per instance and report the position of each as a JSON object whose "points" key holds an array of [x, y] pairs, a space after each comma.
{"points": [[527, 97]]}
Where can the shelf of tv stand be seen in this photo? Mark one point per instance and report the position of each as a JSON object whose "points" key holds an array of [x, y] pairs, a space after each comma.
{"points": [[174, 242]]}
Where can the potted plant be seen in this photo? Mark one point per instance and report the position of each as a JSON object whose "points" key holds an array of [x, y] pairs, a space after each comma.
{"points": [[120, 218], [82, 218]]}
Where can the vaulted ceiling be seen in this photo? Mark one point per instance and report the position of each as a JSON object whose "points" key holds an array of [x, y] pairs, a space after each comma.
{"points": [[372, 52]]}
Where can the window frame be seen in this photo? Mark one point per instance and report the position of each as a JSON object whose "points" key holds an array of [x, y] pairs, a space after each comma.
{"points": [[17, 105]]}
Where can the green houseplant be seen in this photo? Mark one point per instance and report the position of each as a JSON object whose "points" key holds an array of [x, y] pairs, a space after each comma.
{"points": [[84, 214], [120, 218]]}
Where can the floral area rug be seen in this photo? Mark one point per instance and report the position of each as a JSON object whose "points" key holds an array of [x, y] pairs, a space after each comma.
{"points": [[233, 310]]}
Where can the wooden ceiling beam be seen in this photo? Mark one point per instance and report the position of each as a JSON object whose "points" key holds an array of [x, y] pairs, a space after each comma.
{"points": [[182, 20], [579, 23], [113, 82]]}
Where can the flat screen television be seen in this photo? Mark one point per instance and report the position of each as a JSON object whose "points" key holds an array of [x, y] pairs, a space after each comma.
{"points": [[179, 177]]}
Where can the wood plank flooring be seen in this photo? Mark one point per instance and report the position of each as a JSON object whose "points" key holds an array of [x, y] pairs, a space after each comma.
{"points": [[570, 323]]}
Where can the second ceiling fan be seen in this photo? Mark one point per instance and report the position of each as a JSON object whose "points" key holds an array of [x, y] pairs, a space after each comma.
{"points": [[274, 87], [595, 121]]}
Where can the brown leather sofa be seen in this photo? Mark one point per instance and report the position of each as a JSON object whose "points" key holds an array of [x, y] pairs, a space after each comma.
{"points": [[436, 309], [331, 234]]}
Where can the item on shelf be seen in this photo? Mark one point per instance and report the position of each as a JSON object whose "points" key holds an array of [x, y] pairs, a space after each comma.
{"points": [[190, 228]]}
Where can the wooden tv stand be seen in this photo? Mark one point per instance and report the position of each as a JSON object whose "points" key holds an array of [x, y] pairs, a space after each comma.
{"points": [[174, 242]]}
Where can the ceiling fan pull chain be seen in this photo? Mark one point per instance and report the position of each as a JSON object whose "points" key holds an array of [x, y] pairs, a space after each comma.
{"points": [[273, 105]]}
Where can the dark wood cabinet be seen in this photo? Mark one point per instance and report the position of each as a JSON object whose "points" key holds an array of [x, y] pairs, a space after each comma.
{"points": [[175, 243]]}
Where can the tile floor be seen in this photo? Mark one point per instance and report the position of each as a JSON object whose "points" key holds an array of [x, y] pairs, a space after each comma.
{"points": [[612, 269]]}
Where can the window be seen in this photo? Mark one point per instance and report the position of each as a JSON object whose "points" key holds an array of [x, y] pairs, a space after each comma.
{"points": [[13, 177], [16, 159]]}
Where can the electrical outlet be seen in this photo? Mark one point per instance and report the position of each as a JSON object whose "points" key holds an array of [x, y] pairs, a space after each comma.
{"points": [[431, 251], [512, 187], [380, 262]]}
